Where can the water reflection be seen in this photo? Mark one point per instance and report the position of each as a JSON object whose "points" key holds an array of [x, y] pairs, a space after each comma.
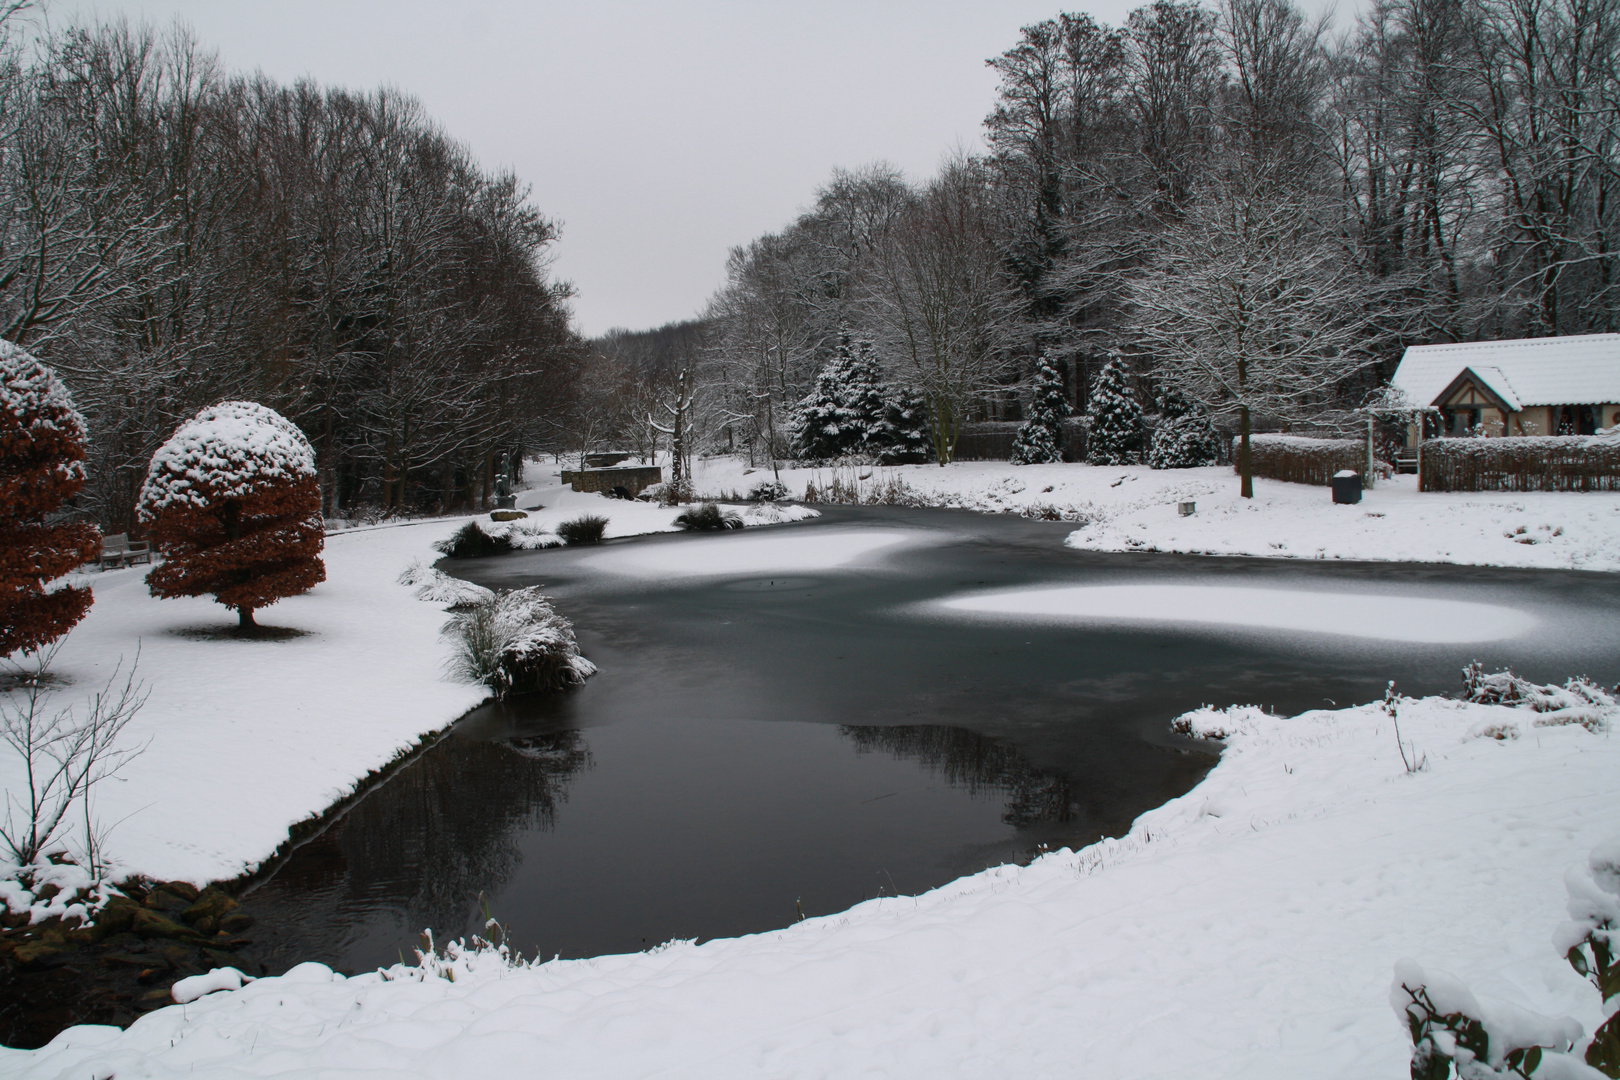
{"points": [[980, 765], [411, 853]]}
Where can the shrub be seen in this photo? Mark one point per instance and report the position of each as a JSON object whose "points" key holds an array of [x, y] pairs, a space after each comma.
{"points": [[472, 542], [234, 508], [1116, 429], [1518, 463], [1040, 440], [769, 491], [708, 517], [1300, 460], [586, 529], [515, 642], [1184, 439], [42, 444]]}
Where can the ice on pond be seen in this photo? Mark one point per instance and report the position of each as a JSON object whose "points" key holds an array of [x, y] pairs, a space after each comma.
{"points": [[1411, 619], [740, 555]]}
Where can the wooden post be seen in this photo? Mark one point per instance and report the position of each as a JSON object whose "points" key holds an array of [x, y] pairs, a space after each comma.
{"points": [[1371, 459]]}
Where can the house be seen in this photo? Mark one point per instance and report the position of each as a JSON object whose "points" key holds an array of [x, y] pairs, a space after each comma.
{"points": [[1529, 386]]}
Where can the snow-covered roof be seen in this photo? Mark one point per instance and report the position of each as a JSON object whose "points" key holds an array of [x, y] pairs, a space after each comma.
{"points": [[1578, 370]]}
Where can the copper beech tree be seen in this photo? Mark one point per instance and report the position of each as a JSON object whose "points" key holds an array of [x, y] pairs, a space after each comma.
{"points": [[41, 465], [233, 506]]}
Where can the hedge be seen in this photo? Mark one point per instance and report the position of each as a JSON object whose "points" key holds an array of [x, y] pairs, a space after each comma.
{"points": [[1523, 463], [1301, 460]]}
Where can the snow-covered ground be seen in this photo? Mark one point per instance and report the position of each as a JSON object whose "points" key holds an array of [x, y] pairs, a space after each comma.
{"points": [[1134, 508], [1250, 928], [244, 738]]}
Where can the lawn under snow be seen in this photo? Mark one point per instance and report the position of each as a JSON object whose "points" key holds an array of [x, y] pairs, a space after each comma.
{"points": [[1250, 928], [1133, 508], [244, 738]]}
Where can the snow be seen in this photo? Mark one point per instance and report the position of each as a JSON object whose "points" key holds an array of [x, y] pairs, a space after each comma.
{"points": [[730, 555], [31, 390], [1133, 508], [1579, 369], [226, 451], [1251, 928], [189, 989], [1425, 620]]}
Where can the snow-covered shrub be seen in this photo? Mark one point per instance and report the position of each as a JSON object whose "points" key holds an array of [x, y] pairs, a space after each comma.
{"points": [[1521, 463], [585, 529], [1299, 459], [1116, 431], [1040, 440], [1591, 943], [42, 447], [472, 542], [1578, 701], [768, 491], [1184, 439], [1450, 1027], [233, 506], [852, 411], [437, 587], [708, 517], [516, 642]]}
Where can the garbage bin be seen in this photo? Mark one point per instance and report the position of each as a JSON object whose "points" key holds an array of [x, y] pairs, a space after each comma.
{"points": [[1347, 487]]}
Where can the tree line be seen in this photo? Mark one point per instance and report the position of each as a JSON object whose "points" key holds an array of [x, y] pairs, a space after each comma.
{"points": [[172, 235], [1244, 207]]}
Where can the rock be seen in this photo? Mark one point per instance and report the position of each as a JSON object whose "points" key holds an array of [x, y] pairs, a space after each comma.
{"points": [[235, 922], [182, 890], [221, 958], [506, 515], [152, 925], [211, 904], [118, 915], [39, 954], [125, 959], [47, 891], [154, 999]]}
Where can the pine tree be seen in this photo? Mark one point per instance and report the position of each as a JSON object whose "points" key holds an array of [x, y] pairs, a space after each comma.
{"points": [[1184, 439], [42, 446], [905, 427], [825, 426], [1115, 431], [852, 410], [1040, 440], [234, 507]]}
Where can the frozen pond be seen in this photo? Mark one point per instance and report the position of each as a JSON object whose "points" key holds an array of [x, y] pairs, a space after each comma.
{"points": [[801, 717]]}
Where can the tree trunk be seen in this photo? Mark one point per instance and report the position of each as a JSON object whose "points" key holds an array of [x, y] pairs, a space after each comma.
{"points": [[1245, 462], [244, 620]]}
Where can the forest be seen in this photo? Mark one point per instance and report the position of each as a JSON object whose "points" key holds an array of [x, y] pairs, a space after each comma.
{"points": [[172, 235], [1249, 208]]}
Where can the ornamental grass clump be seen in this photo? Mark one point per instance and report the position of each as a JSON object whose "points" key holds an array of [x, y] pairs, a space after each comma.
{"points": [[234, 508], [769, 491], [586, 529], [708, 517], [515, 642], [42, 447], [472, 542]]}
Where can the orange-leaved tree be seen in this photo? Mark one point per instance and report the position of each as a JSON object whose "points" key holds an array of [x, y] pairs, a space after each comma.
{"points": [[234, 508], [41, 464]]}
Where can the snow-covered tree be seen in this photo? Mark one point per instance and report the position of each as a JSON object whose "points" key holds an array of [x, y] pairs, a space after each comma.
{"points": [[1040, 440], [1115, 431], [234, 508], [852, 410], [1184, 439], [42, 444]]}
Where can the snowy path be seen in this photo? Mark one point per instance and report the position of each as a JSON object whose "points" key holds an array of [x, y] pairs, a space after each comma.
{"points": [[1248, 929]]}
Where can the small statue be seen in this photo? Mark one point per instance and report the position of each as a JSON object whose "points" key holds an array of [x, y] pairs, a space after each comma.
{"points": [[504, 499]]}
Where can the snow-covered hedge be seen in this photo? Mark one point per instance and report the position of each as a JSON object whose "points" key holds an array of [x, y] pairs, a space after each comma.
{"points": [[1298, 459], [1523, 463]]}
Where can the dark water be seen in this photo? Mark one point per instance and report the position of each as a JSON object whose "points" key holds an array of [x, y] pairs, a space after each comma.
{"points": [[758, 746]]}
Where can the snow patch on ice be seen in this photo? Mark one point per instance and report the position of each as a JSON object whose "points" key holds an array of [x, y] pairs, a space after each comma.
{"points": [[824, 549], [1413, 619]]}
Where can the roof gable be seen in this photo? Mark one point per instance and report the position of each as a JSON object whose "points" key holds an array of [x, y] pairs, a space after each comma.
{"points": [[1488, 380], [1578, 370]]}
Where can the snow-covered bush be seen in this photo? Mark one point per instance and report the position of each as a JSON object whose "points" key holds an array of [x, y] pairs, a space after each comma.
{"points": [[233, 506], [472, 542], [1578, 701], [1591, 943], [1115, 429], [768, 491], [437, 587], [1040, 440], [1521, 463], [42, 447], [585, 529], [1299, 459], [708, 517], [516, 642], [1184, 439], [1450, 1027], [851, 411]]}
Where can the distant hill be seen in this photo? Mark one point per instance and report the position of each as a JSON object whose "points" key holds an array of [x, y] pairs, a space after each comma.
{"points": [[655, 351]]}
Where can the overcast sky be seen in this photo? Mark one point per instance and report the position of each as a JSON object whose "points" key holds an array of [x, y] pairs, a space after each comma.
{"points": [[660, 134]]}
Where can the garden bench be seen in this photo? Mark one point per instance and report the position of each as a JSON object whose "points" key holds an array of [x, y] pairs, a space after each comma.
{"points": [[118, 550]]}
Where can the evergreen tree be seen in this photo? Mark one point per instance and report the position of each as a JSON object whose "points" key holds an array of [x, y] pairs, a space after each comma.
{"points": [[827, 425], [852, 410], [234, 507], [42, 444], [1115, 431], [905, 427], [1040, 440], [1184, 439]]}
